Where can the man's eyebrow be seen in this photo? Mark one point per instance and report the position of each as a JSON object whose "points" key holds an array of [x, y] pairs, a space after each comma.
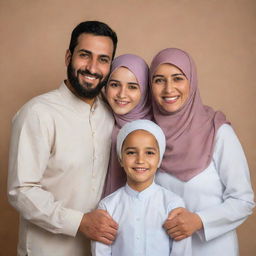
{"points": [[89, 52], [86, 51]]}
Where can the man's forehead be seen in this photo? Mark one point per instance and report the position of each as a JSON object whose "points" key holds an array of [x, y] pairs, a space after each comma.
{"points": [[100, 45]]}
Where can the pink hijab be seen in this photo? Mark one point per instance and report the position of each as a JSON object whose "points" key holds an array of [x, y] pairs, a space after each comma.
{"points": [[189, 131], [116, 177]]}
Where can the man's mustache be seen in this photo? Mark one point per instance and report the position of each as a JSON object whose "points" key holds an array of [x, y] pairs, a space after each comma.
{"points": [[87, 72]]}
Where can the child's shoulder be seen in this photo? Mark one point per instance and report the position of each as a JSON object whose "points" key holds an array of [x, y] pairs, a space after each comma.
{"points": [[113, 197], [170, 198]]}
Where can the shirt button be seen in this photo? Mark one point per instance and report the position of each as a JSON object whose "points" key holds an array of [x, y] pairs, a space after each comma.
{"points": [[137, 219], [138, 238]]}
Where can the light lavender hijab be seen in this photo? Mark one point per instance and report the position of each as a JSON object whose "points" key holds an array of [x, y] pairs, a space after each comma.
{"points": [[189, 131], [116, 177]]}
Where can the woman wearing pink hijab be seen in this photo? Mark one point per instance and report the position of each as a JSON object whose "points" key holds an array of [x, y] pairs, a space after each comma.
{"points": [[127, 93], [204, 162]]}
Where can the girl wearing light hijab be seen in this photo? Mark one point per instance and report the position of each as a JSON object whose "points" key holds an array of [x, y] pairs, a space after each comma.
{"points": [[141, 206], [127, 93], [204, 162]]}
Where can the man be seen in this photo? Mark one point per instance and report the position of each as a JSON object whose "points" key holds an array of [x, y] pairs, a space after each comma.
{"points": [[59, 154]]}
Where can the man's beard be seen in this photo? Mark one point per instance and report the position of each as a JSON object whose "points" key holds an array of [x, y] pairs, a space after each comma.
{"points": [[85, 91]]}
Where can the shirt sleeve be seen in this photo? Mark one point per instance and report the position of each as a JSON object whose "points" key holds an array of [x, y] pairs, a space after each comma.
{"points": [[182, 247], [30, 149], [98, 248], [238, 202]]}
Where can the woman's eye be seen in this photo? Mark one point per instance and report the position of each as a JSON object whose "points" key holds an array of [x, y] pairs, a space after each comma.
{"points": [[133, 87], [178, 78], [158, 81], [113, 84]]}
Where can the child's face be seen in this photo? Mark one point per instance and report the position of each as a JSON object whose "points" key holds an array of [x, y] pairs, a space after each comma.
{"points": [[140, 158]]}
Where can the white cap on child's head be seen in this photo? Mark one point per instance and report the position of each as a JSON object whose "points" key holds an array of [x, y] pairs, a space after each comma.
{"points": [[146, 125]]}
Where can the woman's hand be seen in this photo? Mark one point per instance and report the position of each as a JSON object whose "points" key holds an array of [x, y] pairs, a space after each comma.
{"points": [[182, 223]]}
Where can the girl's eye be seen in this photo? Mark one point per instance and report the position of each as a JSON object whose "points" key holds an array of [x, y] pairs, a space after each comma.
{"points": [[133, 87], [150, 152], [113, 84]]}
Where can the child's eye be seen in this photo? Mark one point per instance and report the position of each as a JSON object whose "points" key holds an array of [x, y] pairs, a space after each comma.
{"points": [[130, 153], [150, 153]]}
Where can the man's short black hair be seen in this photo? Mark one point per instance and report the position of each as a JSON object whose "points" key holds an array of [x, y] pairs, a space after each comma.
{"points": [[96, 28]]}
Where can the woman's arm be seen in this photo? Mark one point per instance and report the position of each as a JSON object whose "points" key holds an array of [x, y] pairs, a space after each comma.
{"points": [[237, 205]]}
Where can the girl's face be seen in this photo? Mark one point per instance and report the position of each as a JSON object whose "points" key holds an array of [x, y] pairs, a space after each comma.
{"points": [[123, 91], [140, 158], [170, 87]]}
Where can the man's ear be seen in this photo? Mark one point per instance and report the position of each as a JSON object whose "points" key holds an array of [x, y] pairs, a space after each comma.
{"points": [[68, 56]]}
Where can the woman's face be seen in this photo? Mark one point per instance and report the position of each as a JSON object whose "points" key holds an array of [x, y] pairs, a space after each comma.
{"points": [[170, 87], [123, 91]]}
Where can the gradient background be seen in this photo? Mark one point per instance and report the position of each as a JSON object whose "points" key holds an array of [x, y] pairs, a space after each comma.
{"points": [[219, 34]]}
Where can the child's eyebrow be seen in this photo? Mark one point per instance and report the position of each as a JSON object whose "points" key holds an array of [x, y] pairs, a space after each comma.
{"points": [[130, 148]]}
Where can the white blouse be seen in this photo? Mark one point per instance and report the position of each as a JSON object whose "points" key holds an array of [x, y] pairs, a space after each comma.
{"points": [[221, 195]]}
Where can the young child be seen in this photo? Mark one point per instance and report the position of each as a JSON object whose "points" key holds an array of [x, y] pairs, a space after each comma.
{"points": [[141, 206]]}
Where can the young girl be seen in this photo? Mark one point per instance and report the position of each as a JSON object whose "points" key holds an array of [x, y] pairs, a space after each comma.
{"points": [[127, 95], [141, 207]]}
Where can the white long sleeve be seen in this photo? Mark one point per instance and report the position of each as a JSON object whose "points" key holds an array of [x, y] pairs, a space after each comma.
{"points": [[221, 195], [59, 154], [237, 205], [30, 152]]}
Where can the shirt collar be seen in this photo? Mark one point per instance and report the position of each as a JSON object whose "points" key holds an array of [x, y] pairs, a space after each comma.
{"points": [[148, 192], [74, 101]]}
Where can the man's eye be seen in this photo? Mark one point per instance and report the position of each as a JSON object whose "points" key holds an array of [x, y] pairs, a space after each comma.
{"points": [[84, 55], [104, 60]]}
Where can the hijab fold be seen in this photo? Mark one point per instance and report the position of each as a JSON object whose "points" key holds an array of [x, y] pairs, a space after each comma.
{"points": [[190, 131], [116, 176]]}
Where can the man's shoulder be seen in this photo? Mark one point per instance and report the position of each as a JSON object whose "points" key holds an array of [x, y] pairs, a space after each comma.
{"points": [[38, 105]]}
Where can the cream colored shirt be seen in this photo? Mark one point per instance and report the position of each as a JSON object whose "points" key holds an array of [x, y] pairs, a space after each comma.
{"points": [[59, 155]]}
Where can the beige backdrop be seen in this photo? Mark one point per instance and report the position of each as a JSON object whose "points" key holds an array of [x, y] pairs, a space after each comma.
{"points": [[219, 34]]}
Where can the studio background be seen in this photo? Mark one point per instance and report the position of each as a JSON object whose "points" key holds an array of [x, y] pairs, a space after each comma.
{"points": [[219, 34]]}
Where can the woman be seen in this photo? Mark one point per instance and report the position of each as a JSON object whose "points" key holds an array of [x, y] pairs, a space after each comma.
{"points": [[127, 94], [204, 162]]}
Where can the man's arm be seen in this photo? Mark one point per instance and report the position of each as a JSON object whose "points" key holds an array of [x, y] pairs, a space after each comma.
{"points": [[30, 150]]}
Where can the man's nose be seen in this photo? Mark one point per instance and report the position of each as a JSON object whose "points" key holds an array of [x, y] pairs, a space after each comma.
{"points": [[92, 65]]}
